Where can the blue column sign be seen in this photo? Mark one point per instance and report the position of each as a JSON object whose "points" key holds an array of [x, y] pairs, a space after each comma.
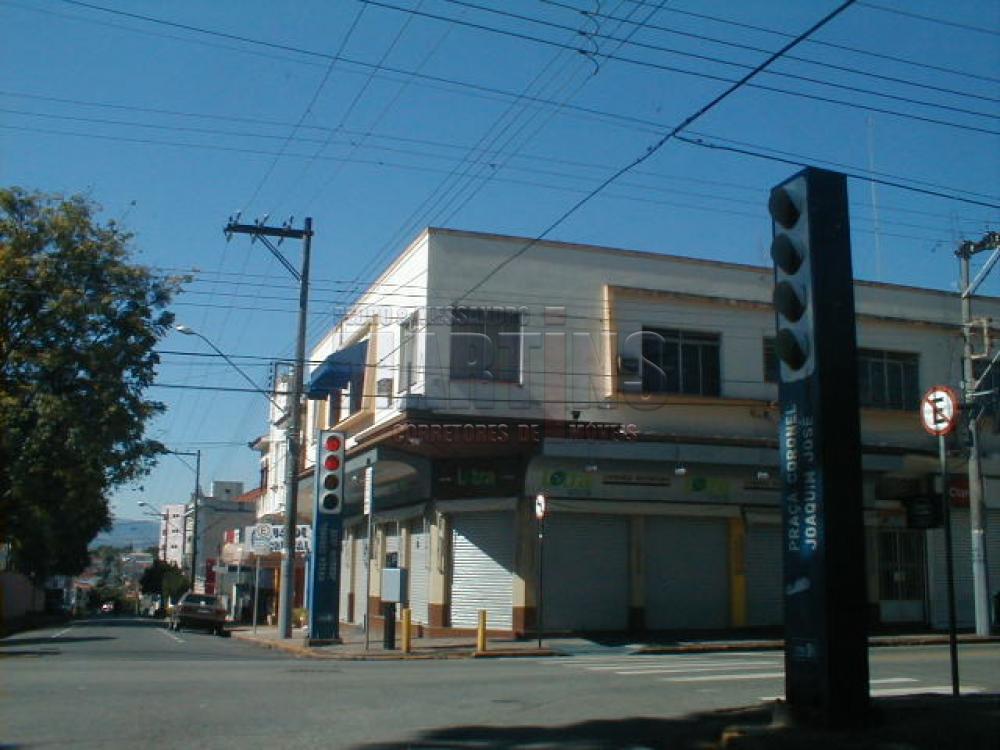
{"points": [[826, 658], [324, 568]]}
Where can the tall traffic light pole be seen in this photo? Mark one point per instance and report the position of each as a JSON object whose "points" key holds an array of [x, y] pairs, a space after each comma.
{"points": [[980, 580], [826, 650], [258, 231]]}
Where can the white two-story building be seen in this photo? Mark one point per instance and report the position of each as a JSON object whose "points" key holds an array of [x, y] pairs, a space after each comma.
{"points": [[636, 392]]}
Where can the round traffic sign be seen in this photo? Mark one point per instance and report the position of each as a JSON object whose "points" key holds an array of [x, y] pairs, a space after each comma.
{"points": [[540, 507], [264, 530], [939, 410]]}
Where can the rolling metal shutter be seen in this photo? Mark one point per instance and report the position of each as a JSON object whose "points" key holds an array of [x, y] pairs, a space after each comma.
{"points": [[346, 572], [961, 538], [360, 595], [687, 573], [418, 572], [483, 564], [765, 602], [585, 573]]}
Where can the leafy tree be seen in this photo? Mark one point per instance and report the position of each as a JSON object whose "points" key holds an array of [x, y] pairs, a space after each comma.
{"points": [[78, 322], [164, 578]]}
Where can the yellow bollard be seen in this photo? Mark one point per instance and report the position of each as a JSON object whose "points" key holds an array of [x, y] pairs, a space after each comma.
{"points": [[481, 632], [407, 632]]}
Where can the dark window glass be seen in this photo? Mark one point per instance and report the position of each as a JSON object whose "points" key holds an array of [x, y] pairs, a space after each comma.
{"points": [[888, 380], [680, 362], [771, 369], [407, 352], [486, 344]]}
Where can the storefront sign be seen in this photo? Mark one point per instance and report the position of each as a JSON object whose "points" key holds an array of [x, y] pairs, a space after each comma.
{"points": [[467, 479], [269, 538]]}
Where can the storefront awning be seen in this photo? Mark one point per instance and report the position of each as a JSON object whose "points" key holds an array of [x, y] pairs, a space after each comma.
{"points": [[338, 370]]}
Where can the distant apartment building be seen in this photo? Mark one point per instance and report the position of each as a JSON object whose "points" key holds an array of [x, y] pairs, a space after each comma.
{"points": [[172, 547]]}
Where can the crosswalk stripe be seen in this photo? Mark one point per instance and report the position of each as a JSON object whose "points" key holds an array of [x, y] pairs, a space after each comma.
{"points": [[913, 690], [885, 680], [686, 670], [676, 665], [722, 677]]}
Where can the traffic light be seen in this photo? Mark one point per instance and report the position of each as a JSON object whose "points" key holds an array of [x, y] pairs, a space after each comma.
{"points": [[330, 472], [794, 343]]}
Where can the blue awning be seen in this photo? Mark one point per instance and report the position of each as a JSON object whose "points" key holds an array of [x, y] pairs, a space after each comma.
{"points": [[338, 370]]}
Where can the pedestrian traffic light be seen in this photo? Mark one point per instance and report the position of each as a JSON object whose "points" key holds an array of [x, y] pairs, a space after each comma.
{"points": [[793, 300], [330, 472]]}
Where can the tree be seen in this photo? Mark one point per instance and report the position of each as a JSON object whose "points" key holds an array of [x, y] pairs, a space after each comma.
{"points": [[78, 323], [165, 579]]}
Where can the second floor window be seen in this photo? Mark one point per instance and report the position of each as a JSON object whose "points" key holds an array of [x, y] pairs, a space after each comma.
{"points": [[888, 380], [486, 344], [680, 362], [407, 352]]}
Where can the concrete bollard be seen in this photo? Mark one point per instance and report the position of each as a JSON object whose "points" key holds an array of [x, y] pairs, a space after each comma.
{"points": [[407, 632], [481, 632]]}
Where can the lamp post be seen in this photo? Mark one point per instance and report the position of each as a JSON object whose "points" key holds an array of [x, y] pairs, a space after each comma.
{"points": [[291, 478]]}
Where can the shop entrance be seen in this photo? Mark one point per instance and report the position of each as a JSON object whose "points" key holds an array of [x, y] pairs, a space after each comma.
{"points": [[902, 582]]}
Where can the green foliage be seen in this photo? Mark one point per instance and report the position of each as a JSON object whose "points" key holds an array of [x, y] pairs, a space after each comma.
{"points": [[164, 578], [78, 323]]}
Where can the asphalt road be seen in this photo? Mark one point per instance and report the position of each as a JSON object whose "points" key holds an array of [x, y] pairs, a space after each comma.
{"points": [[124, 683]]}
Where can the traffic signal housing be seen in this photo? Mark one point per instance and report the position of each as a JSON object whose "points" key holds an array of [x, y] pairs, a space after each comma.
{"points": [[330, 472], [793, 301]]}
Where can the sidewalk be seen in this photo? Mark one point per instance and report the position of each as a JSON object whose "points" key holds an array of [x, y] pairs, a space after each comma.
{"points": [[353, 648], [464, 647]]}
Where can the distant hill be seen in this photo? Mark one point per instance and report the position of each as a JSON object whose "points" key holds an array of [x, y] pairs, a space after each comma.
{"points": [[141, 534]]}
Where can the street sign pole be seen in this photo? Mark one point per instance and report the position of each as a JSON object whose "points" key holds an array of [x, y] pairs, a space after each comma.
{"points": [[256, 589], [949, 566], [939, 415], [540, 515]]}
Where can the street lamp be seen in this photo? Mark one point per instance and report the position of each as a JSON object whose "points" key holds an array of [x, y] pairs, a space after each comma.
{"points": [[189, 331]]}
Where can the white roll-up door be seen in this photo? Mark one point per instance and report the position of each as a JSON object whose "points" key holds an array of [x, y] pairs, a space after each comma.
{"points": [[359, 589], [765, 601], [585, 574], [962, 556], [482, 574], [346, 572], [417, 573], [687, 573]]}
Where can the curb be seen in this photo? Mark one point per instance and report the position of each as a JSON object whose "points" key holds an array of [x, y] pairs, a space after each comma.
{"points": [[307, 652]]}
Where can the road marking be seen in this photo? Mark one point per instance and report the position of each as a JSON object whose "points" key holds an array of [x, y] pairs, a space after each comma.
{"points": [[722, 677], [684, 670], [62, 632], [893, 679], [170, 635]]}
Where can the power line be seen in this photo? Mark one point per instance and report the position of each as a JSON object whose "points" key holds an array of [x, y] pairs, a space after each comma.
{"points": [[694, 73], [308, 108], [929, 19], [642, 63], [794, 58], [828, 45], [742, 66], [701, 111]]}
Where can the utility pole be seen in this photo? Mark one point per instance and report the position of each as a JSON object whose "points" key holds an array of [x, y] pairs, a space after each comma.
{"points": [[970, 383], [258, 231]]}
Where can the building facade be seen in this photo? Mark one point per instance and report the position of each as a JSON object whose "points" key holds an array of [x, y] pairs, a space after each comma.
{"points": [[637, 393], [173, 535]]}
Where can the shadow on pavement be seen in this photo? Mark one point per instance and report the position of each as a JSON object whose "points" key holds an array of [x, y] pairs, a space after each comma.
{"points": [[694, 732], [15, 642], [921, 722]]}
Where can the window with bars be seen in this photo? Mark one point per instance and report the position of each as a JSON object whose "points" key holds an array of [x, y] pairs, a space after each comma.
{"points": [[888, 380], [677, 361], [486, 344]]}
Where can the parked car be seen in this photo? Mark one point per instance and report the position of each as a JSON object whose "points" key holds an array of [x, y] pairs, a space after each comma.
{"points": [[204, 611]]}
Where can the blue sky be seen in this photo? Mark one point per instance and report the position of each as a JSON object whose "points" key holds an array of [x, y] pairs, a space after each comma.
{"points": [[378, 120]]}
